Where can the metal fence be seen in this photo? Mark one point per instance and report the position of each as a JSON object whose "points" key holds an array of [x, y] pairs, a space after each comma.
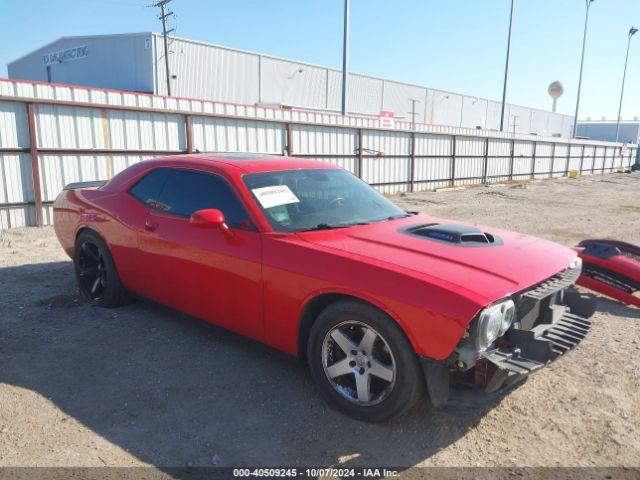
{"points": [[51, 135]]}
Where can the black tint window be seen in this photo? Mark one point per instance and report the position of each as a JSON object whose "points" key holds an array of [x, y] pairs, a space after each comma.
{"points": [[186, 192], [149, 187]]}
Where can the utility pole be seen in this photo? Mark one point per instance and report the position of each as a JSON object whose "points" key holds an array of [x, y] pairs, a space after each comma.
{"points": [[413, 112], [506, 70], [632, 32], [584, 43], [163, 18], [515, 124], [345, 57]]}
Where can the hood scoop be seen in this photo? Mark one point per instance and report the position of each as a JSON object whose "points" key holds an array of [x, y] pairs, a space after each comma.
{"points": [[460, 235]]}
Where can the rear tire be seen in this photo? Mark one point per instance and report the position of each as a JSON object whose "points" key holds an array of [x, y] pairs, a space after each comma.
{"points": [[362, 362], [96, 273]]}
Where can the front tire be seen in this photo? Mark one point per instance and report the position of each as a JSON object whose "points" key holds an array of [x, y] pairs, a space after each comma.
{"points": [[363, 363], [96, 274]]}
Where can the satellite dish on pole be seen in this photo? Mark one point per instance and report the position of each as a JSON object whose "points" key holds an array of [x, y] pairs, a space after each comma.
{"points": [[556, 89]]}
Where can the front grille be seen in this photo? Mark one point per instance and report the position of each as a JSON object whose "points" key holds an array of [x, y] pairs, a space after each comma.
{"points": [[567, 332], [560, 281], [533, 349]]}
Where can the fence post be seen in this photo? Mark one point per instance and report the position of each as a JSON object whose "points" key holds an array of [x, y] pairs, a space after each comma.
{"points": [[553, 159], [360, 153], [581, 159], [485, 161], [289, 140], [453, 161], [107, 143], [566, 169], [412, 162], [35, 164], [533, 160], [188, 125]]}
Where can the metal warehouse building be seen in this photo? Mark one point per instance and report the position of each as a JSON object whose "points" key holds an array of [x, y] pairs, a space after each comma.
{"points": [[605, 130], [136, 62]]}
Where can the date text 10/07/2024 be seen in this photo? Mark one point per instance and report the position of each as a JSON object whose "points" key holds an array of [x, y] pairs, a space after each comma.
{"points": [[315, 472]]}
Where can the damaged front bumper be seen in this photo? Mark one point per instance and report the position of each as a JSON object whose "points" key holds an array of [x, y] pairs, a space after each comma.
{"points": [[553, 318]]}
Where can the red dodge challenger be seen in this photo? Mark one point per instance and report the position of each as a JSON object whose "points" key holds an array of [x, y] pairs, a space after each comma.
{"points": [[380, 303]]}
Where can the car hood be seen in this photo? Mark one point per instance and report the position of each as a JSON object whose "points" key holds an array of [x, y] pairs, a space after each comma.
{"points": [[513, 263]]}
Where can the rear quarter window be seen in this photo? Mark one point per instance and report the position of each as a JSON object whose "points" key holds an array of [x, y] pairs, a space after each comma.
{"points": [[148, 189]]}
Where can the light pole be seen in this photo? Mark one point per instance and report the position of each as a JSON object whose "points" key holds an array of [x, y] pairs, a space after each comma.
{"points": [[506, 70], [632, 32], [584, 43], [345, 57]]}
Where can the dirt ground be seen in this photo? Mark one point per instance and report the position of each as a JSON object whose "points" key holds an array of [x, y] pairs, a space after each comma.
{"points": [[141, 385]]}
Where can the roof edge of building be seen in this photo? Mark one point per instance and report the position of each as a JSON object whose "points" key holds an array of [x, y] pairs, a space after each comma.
{"points": [[68, 37], [274, 57], [608, 122]]}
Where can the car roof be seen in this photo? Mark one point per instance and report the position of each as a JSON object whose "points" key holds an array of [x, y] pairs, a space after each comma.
{"points": [[249, 162]]}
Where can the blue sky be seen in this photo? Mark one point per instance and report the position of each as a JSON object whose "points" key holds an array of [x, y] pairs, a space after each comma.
{"points": [[456, 45]]}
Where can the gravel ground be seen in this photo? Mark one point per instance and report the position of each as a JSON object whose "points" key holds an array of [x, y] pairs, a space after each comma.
{"points": [[141, 385]]}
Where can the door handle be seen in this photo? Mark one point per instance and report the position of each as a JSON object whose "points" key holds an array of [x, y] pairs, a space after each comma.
{"points": [[150, 226]]}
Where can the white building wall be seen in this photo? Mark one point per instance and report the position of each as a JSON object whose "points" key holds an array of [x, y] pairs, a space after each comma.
{"points": [[474, 112], [204, 72], [444, 108], [292, 84], [397, 99], [199, 70], [123, 62]]}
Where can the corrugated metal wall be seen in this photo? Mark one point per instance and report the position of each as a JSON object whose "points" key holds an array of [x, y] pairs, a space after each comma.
{"points": [[229, 75], [85, 134], [112, 61], [135, 62], [16, 185], [606, 130]]}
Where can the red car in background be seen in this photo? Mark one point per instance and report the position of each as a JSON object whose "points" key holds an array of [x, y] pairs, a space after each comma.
{"points": [[381, 304]]}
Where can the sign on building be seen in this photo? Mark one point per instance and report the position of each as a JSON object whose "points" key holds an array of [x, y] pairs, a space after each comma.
{"points": [[65, 55], [386, 119]]}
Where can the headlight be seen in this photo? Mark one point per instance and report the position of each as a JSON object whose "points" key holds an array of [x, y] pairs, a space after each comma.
{"points": [[493, 322], [576, 264]]}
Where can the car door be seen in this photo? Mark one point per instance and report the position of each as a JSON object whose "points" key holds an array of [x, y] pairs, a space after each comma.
{"points": [[132, 211], [201, 271]]}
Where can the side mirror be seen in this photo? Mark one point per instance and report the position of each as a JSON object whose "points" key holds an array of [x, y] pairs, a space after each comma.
{"points": [[211, 218]]}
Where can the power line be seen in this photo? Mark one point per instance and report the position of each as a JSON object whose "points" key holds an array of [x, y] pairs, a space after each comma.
{"points": [[163, 18], [127, 3]]}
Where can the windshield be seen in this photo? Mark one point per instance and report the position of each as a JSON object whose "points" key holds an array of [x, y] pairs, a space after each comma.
{"points": [[300, 200]]}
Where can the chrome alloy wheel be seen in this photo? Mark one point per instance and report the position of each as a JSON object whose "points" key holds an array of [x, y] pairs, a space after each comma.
{"points": [[358, 363], [92, 273]]}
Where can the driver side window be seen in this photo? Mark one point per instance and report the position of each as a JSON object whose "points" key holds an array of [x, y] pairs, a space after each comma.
{"points": [[183, 192]]}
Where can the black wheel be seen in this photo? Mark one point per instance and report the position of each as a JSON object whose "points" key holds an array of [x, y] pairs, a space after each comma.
{"points": [[96, 273], [363, 363]]}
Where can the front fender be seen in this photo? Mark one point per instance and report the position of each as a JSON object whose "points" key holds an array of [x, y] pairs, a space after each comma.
{"points": [[316, 301]]}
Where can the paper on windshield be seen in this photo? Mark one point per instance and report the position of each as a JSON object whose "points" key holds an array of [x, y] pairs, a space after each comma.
{"points": [[275, 196]]}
